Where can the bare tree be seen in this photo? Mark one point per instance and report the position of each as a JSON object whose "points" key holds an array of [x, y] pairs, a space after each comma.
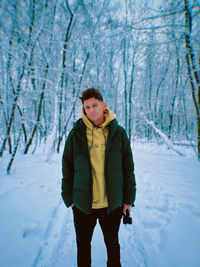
{"points": [[192, 67]]}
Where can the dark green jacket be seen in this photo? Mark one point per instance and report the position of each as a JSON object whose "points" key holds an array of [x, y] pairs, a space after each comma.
{"points": [[77, 173]]}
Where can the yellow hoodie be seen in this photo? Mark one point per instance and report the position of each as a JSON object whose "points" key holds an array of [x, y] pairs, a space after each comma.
{"points": [[97, 139]]}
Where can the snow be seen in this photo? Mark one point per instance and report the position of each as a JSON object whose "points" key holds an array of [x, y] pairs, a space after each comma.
{"points": [[36, 228]]}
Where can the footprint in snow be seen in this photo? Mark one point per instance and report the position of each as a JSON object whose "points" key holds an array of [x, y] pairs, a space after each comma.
{"points": [[30, 231]]}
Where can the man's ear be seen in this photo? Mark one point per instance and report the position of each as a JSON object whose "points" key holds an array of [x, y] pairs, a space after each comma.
{"points": [[104, 105]]}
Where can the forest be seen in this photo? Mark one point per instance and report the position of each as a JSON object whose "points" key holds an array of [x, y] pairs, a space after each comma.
{"points": [[143, 55]]}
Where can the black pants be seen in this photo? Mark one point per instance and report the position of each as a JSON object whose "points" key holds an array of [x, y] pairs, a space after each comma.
{"points": [[84, 227]]}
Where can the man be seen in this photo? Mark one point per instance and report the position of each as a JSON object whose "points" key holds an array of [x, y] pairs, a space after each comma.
{"points": [[98, 177]]}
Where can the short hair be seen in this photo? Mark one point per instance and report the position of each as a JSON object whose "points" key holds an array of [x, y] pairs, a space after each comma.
{"points": [[91, 92]]}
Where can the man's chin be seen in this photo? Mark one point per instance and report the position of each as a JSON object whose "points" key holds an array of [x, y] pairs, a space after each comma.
{"points": [[93, 119]]}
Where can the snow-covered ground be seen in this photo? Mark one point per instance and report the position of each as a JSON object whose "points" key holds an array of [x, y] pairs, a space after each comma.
{"points": [[37, 230]]}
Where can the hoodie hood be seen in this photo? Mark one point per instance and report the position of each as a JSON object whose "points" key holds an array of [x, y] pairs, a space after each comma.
{"points": [[108, 116]]}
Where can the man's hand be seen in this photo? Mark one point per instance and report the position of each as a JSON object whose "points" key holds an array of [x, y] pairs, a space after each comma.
{"points": [[126, 207], [72, 205], [126, 216]]}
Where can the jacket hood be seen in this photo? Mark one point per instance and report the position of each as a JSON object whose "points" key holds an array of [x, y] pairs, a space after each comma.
{"points": [[108, 116]]}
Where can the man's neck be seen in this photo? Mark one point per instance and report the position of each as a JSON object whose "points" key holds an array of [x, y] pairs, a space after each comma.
{"points": [[99, 122]]}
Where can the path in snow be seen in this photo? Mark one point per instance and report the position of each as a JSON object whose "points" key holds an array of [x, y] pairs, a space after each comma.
{"points": [[37, 229]]}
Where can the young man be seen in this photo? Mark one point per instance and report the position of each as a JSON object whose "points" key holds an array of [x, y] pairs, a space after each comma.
{"points": [[98, 177]]}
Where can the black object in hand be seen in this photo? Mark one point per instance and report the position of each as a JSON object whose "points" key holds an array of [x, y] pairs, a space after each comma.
{"points": [[127, 218]]}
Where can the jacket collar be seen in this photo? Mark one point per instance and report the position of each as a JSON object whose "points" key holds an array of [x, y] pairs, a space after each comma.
{"points": [[80, 131], [112, 130]]}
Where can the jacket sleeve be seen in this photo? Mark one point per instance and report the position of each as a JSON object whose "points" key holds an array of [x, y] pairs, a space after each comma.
{"points": [[129, 187], [68, 171]]}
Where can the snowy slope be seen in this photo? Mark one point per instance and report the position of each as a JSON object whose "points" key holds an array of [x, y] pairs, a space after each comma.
{"points": [[37, 230]]}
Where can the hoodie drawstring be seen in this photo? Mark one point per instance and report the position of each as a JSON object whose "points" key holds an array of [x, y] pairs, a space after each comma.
{"points": [[92, 139], [90, 147], [104, 136]]}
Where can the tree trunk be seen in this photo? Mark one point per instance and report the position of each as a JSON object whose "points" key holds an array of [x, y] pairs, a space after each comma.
{"points": [[71, 113], [130, 97], [171, 112], [3, 146], [192, 70], [39, 112], [14, 153], [125, 85], [67, 36]]}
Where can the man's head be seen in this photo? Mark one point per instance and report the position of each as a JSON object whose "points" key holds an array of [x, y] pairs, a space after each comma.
{"points": [[93, 105]]}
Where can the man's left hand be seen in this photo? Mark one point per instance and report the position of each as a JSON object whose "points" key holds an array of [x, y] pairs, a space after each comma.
{"points": [[126, 207]]}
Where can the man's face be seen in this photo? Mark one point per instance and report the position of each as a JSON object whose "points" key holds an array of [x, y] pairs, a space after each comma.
{"points": [[94, 110]]}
